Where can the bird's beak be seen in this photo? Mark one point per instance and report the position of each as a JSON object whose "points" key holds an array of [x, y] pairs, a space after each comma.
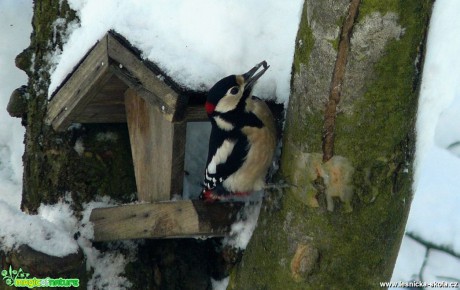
{"points": [[251, 76]]}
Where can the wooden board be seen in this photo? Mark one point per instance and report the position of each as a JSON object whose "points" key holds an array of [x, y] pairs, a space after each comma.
{"points": [[171, 219], [108, 106], [80, 88], [124, 59], [158, 148], [196, 114]]}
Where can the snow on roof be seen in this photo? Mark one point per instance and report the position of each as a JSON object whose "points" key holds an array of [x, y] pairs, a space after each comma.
{"points": [[195, 42]]}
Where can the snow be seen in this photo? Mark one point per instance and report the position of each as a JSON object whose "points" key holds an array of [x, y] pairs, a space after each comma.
{"points": [[196, 42], [79, 147], [49, 234], [241, 231], [410, 260], [441, 267], [14, 37], [437, 199], [440, 86], [53, 230], [108, 267], [220, 284]]}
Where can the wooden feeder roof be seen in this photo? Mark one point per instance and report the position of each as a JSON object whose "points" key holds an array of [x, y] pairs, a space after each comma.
{"points": [[94, 91]]}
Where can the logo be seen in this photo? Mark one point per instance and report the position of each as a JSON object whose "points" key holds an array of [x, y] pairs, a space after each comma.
{"points": [[19, 278]]}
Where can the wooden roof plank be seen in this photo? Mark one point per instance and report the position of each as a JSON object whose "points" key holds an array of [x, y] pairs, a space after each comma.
{"points": [[135, 85], [126, 60], [196, 114], [170, 219], [78, 90]]}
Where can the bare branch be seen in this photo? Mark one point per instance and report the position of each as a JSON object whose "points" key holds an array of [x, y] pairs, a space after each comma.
{"points": [[430, 245]]}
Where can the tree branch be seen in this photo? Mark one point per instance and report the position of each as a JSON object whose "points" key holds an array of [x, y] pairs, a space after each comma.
{"points": [[337, 80], [430, 245]]}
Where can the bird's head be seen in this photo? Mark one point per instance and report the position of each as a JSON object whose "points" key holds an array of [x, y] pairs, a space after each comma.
{"points": [[227, 93]]}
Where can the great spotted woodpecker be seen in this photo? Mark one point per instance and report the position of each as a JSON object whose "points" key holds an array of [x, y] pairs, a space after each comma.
{"points": [[243, 137]]}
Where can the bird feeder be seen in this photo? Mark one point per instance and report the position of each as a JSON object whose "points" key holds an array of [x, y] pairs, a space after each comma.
{"points": [[113, 84]]}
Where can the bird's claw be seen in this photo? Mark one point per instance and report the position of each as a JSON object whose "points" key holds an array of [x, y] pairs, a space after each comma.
{"points": [[210, 197]]}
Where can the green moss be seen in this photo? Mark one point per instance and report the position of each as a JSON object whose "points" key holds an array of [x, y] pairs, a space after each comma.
{"points": [[106, 166], [335, 43], [339, 247], [347, 244], [401, 7], [301, 127], [304, 43], [389, 100], [370, 6]]}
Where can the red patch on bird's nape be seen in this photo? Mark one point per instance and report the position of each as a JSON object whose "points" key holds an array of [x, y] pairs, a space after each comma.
{"points": [[210, 107]]}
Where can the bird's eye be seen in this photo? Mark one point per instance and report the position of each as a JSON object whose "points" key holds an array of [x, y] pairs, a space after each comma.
{"points": [[234, 90]]}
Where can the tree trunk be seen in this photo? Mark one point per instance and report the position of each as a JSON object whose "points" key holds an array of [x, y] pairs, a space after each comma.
{"points": [[348, 150], [52, 165]]}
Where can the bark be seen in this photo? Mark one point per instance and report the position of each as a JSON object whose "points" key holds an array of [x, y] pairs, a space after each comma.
{"points": [[52, 166], [348, 150]]}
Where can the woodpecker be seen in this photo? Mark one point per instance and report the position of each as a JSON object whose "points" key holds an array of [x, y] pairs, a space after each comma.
{"points": [[243, 137]]}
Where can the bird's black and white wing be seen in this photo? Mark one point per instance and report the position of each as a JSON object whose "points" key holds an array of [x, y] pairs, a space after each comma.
{"points": [[225, 156]]}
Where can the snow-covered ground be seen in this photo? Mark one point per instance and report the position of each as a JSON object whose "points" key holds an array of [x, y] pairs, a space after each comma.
{"points": [[238, 35]]}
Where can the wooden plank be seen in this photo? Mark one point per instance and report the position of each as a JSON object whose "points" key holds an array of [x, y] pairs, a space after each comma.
{"points": [[134, 84], [125, 59], [110, 117], [80, 88], [171, 219], [108, 106], [196, 114], [157, 147]]}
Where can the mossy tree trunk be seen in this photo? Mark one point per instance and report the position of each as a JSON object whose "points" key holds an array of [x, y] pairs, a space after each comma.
{"points": [[53, 162], [348, 150]]}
